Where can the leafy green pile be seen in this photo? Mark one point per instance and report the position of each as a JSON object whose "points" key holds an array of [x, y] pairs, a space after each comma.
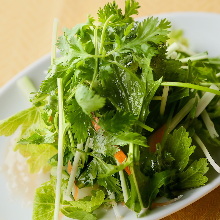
{"points": [[114, 84]]}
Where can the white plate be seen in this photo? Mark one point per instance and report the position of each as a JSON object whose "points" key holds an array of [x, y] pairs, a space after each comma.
{"points": [[203, 34]]}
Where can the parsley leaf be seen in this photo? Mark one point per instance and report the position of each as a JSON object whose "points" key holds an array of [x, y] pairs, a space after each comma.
{"points": [[179, 146], [193, 176]]}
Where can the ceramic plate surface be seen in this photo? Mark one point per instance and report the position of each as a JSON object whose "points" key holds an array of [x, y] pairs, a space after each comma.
{"points": [[203, 34]]}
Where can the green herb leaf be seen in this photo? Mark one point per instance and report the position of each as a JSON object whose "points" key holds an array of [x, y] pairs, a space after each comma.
{"points": [[38, 155], [26, 118], [88, 100], [194, 175], [44, 202], [179, 146]]}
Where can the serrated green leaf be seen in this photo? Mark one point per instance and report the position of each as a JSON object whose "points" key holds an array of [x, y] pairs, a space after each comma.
{"points": [[114, 122], [37, 155], [155, 183], [88, 205], [26, 118], [179, 146], [193, 176], [80, 122], [44, 200]]}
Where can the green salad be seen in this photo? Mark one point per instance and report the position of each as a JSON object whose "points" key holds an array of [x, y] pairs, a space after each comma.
{"points": [[127, 111]]}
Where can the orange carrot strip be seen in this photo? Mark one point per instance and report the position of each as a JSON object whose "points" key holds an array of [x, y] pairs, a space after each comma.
{"points": [[156, 138], [121, 157], [76, 192], [69, 167], [95, 123]]}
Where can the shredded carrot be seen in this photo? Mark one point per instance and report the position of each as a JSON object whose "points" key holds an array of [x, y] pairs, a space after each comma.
{"points": [[50, 118], [95, 123], [69, 167], [156, 138], [76, 192], [121, 157]]}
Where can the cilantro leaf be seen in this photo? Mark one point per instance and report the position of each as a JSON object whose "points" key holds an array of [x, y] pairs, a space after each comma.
{"points": [[88, 100], [80, 122], [108, 10], [149, 30], [131, 7]]}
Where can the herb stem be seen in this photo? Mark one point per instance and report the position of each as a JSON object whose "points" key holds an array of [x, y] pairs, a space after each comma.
{"points": [[199, 56], [132, 155], [75, 164], [191, 86], [103, 34], [60, 148], [96, 58]]}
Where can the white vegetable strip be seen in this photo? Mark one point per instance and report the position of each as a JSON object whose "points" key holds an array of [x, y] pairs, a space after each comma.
{"points": [[114, 206], [164, 99], [205, 100], [123, 184], [26, 86], [60, 148], [209, 124], [70, 187], [181, 114], [199, 56], [207, 154]]}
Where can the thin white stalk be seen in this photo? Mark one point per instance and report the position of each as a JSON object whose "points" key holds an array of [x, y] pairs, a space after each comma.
{"points": [[207, 154], [181, 114], [173, 47], [205, 100], [123, 184], [209, 124], [26, 86], [164, 100], [60, 149], [114, 206], [218, 75], [54, 40], [70, 187], [200, 56]]}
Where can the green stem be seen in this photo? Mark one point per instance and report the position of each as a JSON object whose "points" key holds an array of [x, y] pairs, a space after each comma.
{"points": [[103, 34], [132, 154], [96, 58], [190, 86], [61, 132]]}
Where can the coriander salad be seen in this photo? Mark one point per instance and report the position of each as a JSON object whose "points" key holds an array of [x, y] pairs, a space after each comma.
{"points": [[126, 115]]}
